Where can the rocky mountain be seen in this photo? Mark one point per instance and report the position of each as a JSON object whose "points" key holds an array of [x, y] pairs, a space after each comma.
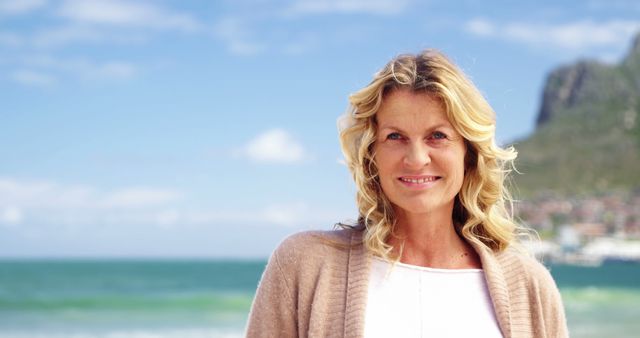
{"points": [[587, 137]]}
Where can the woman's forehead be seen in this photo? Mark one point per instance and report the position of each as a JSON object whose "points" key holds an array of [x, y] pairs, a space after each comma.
{"points": [[408, 108]]}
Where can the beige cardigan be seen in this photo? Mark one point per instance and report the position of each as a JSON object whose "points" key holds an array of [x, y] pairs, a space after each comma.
{"points": [[313, 287]]}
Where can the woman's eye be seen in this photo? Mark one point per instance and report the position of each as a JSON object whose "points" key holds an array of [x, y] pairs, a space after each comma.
{"points": [[394, 136], [438, 136]]}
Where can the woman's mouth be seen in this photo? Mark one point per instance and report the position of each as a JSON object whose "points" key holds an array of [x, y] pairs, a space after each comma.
{"points": [[418, 181]]}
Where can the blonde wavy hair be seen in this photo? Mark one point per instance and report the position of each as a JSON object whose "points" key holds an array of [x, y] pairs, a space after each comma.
{"points": [[480, 212]]}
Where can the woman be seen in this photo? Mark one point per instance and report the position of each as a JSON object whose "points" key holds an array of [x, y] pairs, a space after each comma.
{"points": [[433, 251]]}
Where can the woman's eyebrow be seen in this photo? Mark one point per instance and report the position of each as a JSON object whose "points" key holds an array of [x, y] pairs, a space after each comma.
{"points": [[436, 126], [391, 127]]}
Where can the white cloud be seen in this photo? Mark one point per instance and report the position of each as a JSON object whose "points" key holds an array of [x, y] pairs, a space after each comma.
{"points": [[286, 214], [237, 36], [167, 218], [238, 47], [625, 5], [57, 36], [126, 13], [44, 69], [274, 146], [15, 191], [574, 36], [280, 214], [29, 77], [115, 69], [380, 7], [81, 67], [100, 21], [271, 30], [10, 216], [54, 196], [481, 27], [14, 7], [138, 197], [49, 204], [240, 37], [75, 208]]}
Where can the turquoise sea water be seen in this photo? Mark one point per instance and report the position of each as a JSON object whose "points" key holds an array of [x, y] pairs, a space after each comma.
{"points": [[144, 299], [601, 301], [125, 298]]}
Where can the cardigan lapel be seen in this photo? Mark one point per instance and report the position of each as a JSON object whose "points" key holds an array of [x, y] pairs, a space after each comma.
{"points": [[497, 286], [357, 287]]}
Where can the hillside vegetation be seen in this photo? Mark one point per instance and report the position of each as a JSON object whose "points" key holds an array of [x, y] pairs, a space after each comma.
{"points": [[587, 138]]}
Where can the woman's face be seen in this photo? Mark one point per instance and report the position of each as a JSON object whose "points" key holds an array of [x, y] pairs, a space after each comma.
{"points": [[418, 153]]}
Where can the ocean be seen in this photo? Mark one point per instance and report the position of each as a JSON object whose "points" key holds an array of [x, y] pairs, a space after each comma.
{"points": [[192, 299]]}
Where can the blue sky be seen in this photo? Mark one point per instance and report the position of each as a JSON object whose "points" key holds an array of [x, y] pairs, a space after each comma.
{"points": [[208, 128]]}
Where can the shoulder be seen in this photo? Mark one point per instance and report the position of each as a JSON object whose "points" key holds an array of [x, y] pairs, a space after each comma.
{"points": [[313, 248], [314, 240], [518, 266], [304, 260], [310, 242]]}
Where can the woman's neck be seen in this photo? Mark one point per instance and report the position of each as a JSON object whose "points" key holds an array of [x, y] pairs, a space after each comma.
{"points": [[431, 240]]}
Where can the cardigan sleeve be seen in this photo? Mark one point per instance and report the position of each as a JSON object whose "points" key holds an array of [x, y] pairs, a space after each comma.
{"points": [[533, 303], [550, 307], [273, 312], [553, 311]]}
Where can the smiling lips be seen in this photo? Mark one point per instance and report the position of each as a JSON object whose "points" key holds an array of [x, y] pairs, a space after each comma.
{"points": [[418, 180]]}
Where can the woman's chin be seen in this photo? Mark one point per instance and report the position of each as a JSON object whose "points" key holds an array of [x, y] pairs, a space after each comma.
{"points": [[423, 206]]}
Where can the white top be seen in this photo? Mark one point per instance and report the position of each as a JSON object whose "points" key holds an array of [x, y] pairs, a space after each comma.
{"points": [[415, 301]]}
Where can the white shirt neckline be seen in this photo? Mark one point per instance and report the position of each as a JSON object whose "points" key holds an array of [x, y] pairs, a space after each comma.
{"points": [[427, 268]]}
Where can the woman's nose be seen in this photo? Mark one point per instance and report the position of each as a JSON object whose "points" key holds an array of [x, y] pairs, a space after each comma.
{"points": [[417, 156]]}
